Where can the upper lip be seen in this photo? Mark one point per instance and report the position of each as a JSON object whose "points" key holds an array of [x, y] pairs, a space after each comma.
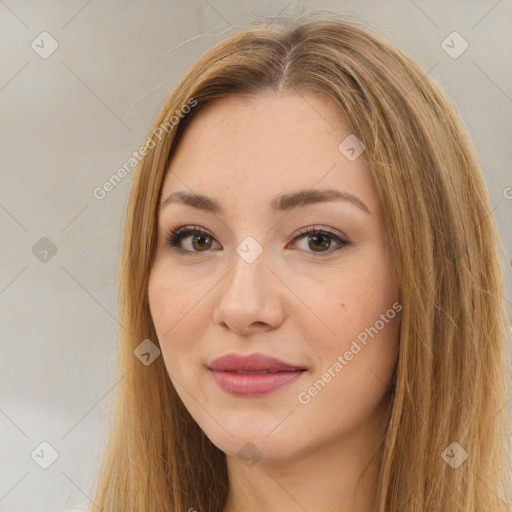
{"points": [[252, 362]]}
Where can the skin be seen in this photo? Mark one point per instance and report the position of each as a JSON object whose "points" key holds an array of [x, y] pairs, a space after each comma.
{"points": [[293, 302]]}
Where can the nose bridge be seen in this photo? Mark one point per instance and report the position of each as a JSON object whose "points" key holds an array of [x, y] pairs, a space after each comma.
{"points": [[246, 296], [247, 278]]}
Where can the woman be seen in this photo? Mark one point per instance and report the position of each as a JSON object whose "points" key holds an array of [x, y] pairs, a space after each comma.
{"points": [[310, 245]]}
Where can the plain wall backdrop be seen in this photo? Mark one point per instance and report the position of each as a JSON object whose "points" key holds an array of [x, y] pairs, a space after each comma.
{"points": [[80, 85]]}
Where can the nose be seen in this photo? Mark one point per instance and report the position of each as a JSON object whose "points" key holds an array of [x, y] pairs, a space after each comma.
{"points": [[247, 300]]}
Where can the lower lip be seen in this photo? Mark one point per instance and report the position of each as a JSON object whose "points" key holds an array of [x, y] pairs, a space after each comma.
{"points": [[255, 384]]}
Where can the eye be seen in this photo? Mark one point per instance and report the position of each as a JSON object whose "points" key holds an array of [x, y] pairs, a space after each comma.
{"points": [[194, 239], [320, 238], [200, 240]]}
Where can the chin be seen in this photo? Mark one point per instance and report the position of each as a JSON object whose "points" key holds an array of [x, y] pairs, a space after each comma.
{"points": [[253, 445]]}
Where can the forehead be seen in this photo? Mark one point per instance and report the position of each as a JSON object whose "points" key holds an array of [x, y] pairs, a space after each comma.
{"points": [[255, 147]]}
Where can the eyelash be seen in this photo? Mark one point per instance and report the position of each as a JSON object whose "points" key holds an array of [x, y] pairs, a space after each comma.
{"points": [[177, 233]]}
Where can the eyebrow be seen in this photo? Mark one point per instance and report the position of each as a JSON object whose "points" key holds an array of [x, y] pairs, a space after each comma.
{"points": [[281, 203]]}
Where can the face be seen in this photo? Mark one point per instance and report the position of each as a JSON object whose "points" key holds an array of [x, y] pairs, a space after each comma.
{"points": [[302, 279]]}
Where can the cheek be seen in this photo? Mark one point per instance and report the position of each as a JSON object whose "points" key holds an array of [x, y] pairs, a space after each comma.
{"points": [[171, 301], [171, 304], [176, 321], [359, 320], [356, 298]]}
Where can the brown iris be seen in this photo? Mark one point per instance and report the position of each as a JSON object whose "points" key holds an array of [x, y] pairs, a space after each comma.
{"points": [[316, 237], [201, 239]]}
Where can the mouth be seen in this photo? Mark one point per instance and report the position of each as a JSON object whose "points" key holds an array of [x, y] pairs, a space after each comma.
{"points": [[254, 374]]}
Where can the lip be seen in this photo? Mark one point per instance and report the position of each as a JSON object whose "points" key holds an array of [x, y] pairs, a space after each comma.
{"points": [[252, 362], [273, 374]]}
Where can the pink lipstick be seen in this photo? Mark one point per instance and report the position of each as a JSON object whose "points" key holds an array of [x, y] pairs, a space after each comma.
{"points": [[253, 375]]}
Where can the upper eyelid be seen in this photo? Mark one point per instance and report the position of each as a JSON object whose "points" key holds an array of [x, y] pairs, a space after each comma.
{"points": [[190, 229], [316, 228]]}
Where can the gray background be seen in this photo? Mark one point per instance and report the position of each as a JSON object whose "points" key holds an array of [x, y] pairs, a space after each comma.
{"points": [[70, 120]]}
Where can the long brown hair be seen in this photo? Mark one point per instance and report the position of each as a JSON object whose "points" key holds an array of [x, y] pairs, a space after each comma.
{"points": [[452, 374]]}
